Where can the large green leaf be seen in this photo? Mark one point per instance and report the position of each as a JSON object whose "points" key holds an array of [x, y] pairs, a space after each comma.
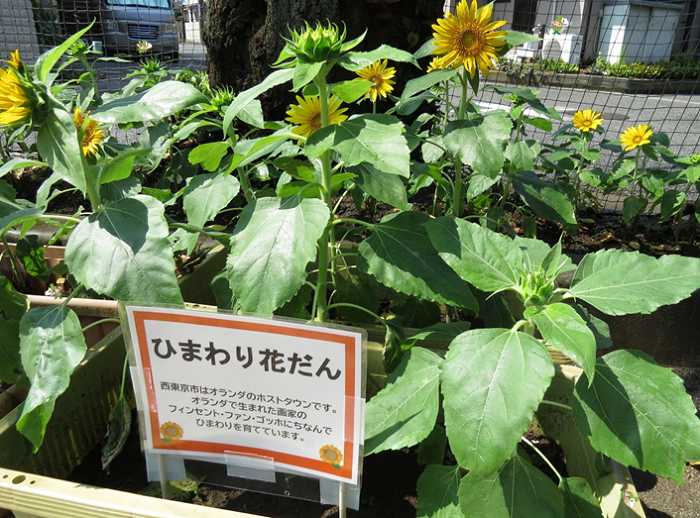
{"points": [[13, 305], [120, 167], [399, 255], [480, 256], [123, 252], [273, 242], [385, 187], [492, 381], [377, 139], [479, 140], [158, 102], [421, 83], [207, 194], [52, 346], [638, 413], [19, 163], [517, 490], [545, 199], [437, 493], [356, 60], [209, 155], [563, 329], [404, 413], [523, 154], [579, 500], [621, 283], [48, 59], [244, 98], [57, 142]]}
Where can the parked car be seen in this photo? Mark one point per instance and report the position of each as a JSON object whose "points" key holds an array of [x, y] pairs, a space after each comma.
{"points": [[120, 24]]}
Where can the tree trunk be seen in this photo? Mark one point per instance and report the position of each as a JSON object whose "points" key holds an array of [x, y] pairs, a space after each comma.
{"points": [[244, 37]]}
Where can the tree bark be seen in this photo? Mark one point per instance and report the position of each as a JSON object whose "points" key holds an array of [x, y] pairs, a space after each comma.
{"points": [[244, 37]]}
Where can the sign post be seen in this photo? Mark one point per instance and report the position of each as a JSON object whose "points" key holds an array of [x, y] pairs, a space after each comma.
{"points": [[260, 396]]}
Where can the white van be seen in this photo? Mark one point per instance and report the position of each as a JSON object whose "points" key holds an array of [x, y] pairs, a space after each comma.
{"points": [[121, 24]]}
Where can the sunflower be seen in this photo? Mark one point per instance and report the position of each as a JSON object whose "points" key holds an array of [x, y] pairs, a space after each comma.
{"points": [[468, 39], [307, 114], [331, 455], [171, 431], [587, 120], [15, 101], [635, 137], [15, 61], [381, 76], [94, 135]]}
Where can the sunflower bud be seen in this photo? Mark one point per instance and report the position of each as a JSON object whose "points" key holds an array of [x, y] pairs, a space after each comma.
{"points": [[536, 289], [316, 45]]}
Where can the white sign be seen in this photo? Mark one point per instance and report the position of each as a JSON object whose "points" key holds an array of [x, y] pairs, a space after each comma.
{"points": [[216, 386]]}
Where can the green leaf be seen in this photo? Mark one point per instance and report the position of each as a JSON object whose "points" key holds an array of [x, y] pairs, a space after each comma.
{"points": [[437, 493], [384, 187], [206, 194], [622, 283], [123, 252], [478, 141], [441, 331], [19, 163], [273, 242], [120, 167], [48, 59], [351, 91], [523, 154], [404, 413], [399, 255], [493, 380], [415, 312], [564, 330], [599, 328], [548, 201], [579, 500], [245, 97], [638, 413], [252, 114], [672, 202], [13, 306], [304, 73], [424, 82], [632, 207], [353, 61], [518, 489], [515, 38], [52, 345], [360, 291], [377, 139], [480, 183], [431, 450], [539, 123], [481, 257], [209, 155], [57, 142], [158, 102]]}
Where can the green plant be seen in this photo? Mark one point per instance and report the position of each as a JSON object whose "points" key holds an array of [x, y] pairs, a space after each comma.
{"points": [[493, 380]]}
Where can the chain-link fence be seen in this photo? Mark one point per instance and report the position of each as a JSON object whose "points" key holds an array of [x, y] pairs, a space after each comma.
{"points": [[634, 61]]}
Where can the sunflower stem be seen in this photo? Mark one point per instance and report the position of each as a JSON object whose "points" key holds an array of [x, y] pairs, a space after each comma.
{"points": [[457, 201], [327, 240]]}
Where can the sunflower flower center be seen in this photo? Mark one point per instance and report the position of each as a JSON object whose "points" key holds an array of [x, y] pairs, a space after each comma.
{"points": [[471, 41], [315, 122]]}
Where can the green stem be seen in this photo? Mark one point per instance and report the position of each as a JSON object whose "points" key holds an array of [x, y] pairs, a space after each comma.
{"points": [[245, 185], [558, 405], [544, 458], [102, 321], [457, 201], [326, 240], [93, 80], [354, 306]]}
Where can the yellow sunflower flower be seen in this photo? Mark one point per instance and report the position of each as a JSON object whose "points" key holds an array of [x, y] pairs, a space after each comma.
{"points": [[171, 431], [381, 76], [94, 134], [15, 101], [636, 136], [15, 61], [587, 120], [307, 114], [468, 39], [331, 455]]}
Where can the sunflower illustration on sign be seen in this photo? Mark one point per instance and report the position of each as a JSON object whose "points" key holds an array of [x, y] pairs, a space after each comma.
{"points": [[331, 455], [171, 431]]}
